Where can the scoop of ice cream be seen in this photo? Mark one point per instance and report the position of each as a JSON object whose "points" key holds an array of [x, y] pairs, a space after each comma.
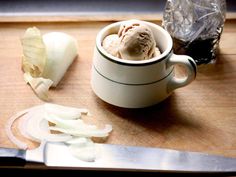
{"points": [[157, 52], [136, 41], [111, 44]]}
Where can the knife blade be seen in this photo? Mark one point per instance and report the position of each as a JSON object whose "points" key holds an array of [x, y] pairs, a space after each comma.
{"points": [[125, 158]]}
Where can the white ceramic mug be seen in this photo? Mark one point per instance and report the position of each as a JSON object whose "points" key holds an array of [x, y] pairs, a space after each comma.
{"points": [[141, 83]]}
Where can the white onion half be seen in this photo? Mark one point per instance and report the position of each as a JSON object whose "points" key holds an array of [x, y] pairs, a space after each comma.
{"points": [[61, 50], [46, 58]]}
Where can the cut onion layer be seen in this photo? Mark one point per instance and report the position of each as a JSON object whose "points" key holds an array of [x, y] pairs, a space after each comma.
{"points": [[78, 141], [22, 126], [85, 131], [85, 151], [9, 124], [72, 130], [65, 112], [38, 133]]}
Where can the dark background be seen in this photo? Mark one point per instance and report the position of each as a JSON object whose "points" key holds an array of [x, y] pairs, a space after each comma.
{"points": [[15, 7]]}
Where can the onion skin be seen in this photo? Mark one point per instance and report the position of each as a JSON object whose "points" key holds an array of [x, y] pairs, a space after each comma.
{"points": [[34, 52], [39, 85]]}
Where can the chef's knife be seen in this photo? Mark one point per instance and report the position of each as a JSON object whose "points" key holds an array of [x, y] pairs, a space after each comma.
{"points": [[124, 158]]}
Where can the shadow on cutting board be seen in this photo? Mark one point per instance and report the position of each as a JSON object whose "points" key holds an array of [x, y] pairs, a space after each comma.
{"points": [[160, 117]]}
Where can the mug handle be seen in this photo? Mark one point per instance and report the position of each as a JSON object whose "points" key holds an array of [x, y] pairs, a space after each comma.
{"points": [[191, 69]]}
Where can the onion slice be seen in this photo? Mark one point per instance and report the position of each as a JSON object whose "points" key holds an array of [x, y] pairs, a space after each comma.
{"points": [[65, 112], [22, 125], [84, 131], [84, 151], [38, 133], [63, 123], [78, 141], [34, 125], [9, 124]]}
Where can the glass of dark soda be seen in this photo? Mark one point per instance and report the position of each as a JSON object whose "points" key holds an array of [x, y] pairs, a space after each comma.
{"points": [[196, 27]]}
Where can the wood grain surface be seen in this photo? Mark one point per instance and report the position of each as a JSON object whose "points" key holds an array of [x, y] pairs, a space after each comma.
{"points": [[199, 117]]}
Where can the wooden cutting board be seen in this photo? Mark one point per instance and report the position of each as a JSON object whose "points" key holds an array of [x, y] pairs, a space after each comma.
{"points": [[199, 117]]}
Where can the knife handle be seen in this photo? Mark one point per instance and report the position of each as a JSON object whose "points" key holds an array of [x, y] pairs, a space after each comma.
{"points": [[12, 157]]}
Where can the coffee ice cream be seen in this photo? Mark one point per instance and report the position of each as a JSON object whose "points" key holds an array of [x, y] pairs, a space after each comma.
{"points": [[134, 41]]}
